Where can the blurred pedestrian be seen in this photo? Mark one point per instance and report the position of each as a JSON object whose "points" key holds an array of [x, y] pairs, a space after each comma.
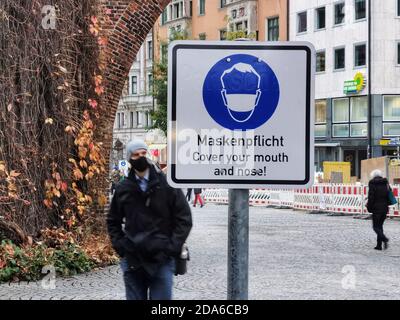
{"points": [[378, 205], [157, 222], [189, 194], [197, 196]]}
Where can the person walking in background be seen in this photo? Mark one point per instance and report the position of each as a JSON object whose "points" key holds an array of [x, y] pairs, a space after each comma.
{"points": [[197, 196], [378, 205], [189, 194], [157, 222]]}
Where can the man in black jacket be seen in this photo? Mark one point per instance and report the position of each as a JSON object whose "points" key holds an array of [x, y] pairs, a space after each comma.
{"points": [[378, 205], [157, 220]]}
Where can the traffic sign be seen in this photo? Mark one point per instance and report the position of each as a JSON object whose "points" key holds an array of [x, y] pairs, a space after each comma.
{"points": [[241, 114]]}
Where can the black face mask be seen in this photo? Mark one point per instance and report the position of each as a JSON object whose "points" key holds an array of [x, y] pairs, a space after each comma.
{"points": [[139, 164]]}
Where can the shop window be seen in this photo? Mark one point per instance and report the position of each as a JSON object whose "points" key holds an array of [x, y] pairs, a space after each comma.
{"points": [[349, 117], [320, 118]]}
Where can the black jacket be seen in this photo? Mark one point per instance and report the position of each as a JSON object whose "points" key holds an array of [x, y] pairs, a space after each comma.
{"points": [[197, 191], [378, 196], [157, 222]]}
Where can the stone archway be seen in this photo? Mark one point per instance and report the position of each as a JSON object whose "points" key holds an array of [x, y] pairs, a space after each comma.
{"points": [[131, 21]]}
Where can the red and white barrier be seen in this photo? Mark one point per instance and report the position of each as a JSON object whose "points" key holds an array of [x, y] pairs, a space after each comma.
{"points": [[339, 198]]}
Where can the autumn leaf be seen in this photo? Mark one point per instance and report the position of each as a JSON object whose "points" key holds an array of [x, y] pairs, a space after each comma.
{"points": [[70, 129], [56, 193], [102, 200], [78, 175], [64, 186], [62, 69], [82, 152], [89, 175], [99, 90], [2, 167], [93, 103], [98, 79], [48, 203], [93, 30], [83, 164], [102, 41], [94, 20], [14, 174], [9, 107], [86, 115], [49, 120]]}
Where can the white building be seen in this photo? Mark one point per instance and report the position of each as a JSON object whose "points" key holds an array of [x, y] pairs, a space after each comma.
{"points": [[339, 31], [133, 115]]}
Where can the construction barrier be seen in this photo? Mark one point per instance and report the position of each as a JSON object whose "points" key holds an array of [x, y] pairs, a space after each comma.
{"points": [[335, 198]]}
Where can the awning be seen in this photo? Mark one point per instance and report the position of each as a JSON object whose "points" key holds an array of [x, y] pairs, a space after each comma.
{"points": [[327, 145]]}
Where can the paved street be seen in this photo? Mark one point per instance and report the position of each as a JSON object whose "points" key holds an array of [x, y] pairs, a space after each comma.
{"points": [[293, 255]]}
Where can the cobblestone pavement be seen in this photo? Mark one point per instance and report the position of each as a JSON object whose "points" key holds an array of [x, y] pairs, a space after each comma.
{"points": [[293, 255]]}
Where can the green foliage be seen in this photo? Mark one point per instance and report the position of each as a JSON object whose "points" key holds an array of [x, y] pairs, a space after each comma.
{"points": [[26, 264], [160, 87], [241, 34]]}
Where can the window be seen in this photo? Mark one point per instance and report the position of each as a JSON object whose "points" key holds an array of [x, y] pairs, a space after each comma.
{"points": [[398, 52], [176, 10], [350, 117], [340, 109], [391, 115], [391, 108], [273, 29], [190, 8], [139, 118], [222, 34], [339, 13], [239, 26], [164, 17], [132, 119], [150, 50], [359, 109], [164, 52], [202, 7], [320, 18], [302, 22], [120, 120], [202, 36], [150, 83], [321, 61], [360, 9], [360, 55], [339, 58], [398, 8], [223, 3], [134, 85], [320, 118]]}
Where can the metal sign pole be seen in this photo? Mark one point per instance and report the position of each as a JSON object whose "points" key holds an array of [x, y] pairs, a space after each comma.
{"points": [[238, 244]]}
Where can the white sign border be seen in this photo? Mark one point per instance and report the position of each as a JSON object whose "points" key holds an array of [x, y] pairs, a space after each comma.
{"points": [[241, 45]]}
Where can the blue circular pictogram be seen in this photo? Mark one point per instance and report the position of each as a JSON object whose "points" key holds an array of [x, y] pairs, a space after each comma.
{"points": [[241, 92]]}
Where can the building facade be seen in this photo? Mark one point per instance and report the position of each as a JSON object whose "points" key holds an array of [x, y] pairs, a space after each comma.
{"points": [[212, 19], [357, 106], [133, 115]]}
